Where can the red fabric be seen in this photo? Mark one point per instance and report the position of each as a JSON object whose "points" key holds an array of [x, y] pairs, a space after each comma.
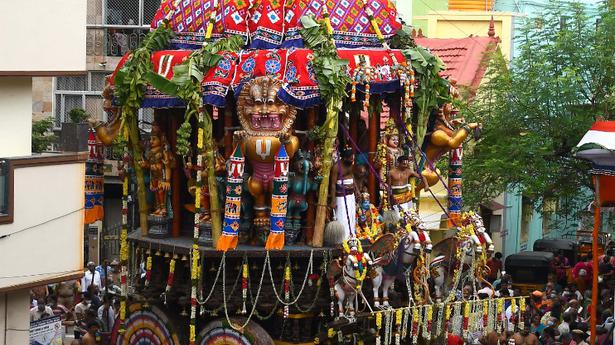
{"points": [[455, 340], [587, 266], [494, 266], [603, 126], [165, 60], [193, 16], [292, 66], [607, 190], [462, 56], [422, 236], [274, 20]]}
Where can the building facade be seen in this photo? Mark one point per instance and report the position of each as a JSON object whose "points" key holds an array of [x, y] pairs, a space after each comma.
{"points": [[41, 239]]}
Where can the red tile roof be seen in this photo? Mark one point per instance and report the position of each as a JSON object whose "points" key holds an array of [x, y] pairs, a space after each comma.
{"points": [[462, 56]]}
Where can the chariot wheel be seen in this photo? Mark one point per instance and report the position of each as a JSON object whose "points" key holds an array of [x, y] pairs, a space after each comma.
{"points": [[219, 332], [144, 325]]}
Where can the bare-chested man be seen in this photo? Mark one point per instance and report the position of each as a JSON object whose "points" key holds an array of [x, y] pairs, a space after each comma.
{"points": [[400, 183], [525, 338], [90, 338], [342, 186]]}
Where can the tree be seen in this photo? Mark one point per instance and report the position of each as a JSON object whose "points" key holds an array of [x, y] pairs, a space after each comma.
{"points": [[40, 137], [536, 111]]}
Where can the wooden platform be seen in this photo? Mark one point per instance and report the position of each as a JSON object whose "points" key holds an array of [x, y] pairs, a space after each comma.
{"points": [[182, 245]]}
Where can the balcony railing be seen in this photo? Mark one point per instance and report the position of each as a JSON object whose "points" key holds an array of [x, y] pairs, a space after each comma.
{"points": [[114, 40]]}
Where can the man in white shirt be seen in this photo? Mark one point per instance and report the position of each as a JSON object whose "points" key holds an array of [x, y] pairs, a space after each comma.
{"points": [[41, 311], [106, 314], [91, 277], [564, 327]]}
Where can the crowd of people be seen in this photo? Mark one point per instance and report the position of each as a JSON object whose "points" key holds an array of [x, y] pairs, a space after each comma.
{"points": [[86, 307], [560, 312]]}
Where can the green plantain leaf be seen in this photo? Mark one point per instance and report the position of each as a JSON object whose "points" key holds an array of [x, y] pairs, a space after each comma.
{"points": [[161, 83]]}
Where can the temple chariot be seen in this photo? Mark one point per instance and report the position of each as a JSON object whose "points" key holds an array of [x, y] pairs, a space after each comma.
{"points": [[277, 189]]}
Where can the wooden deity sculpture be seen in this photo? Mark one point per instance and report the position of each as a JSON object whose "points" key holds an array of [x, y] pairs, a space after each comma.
{"points": [[369, 220], [205, 219], [160, 161], [445, 136], [267, 125], [300, 183], [388, 152]]}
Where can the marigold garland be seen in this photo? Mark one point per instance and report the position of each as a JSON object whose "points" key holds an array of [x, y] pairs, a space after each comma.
{"points": [[148, 269], [429, 313], [244, 285], [378, 326], [466, 316], [521, 313], [398, 318], [171, 275], [287, 277]]}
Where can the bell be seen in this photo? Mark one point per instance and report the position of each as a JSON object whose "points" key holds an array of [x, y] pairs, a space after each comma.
{"points": [[175, 256], [184, 257], [167, 255], [148, 252], [158, 253]]}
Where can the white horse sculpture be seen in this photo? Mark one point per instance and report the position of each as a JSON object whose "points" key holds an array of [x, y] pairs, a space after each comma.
{"points": [[396, 263], [348, 277]]}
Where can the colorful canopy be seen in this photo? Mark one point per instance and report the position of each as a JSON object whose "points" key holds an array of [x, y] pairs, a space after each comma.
{"points": [[270, 24], [598, 146], [293, 66]]}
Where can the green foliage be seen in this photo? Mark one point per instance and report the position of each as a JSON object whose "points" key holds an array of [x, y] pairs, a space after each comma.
{"points": [[433, 90], [130, 80], [78, 115], [535, 113], [41, 139], [331, 71], [403, 38], [186, 83]]}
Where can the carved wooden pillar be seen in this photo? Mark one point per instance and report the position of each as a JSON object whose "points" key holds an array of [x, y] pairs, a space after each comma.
{"points": [[176, 175], [228, 133], [372, 140], [311, 199]]}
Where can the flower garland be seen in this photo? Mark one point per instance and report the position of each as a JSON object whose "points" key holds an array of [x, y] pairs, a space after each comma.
{"points": [[429, 312], [466, 317], [447, 317], [486, 314], [244, 285], [513, 308], [171, 276], [124, 252], [371, 229], [398, 320], [521, 313], [194, 267], [287, 275], [499, 311], [415, 324], [148, 269], [378, 326]]}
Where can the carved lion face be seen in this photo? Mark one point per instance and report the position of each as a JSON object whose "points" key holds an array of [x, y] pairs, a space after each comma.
{"points": [[260, 110]]}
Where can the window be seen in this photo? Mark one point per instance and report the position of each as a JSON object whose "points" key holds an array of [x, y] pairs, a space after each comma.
{"points": [[126, 23], [79, 92], [4, 187]]}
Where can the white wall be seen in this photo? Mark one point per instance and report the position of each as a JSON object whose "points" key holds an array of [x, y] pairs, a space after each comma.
{"points": [[39, 36], [46, 237], [404, 10], [15, 317], [15, 115]]}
